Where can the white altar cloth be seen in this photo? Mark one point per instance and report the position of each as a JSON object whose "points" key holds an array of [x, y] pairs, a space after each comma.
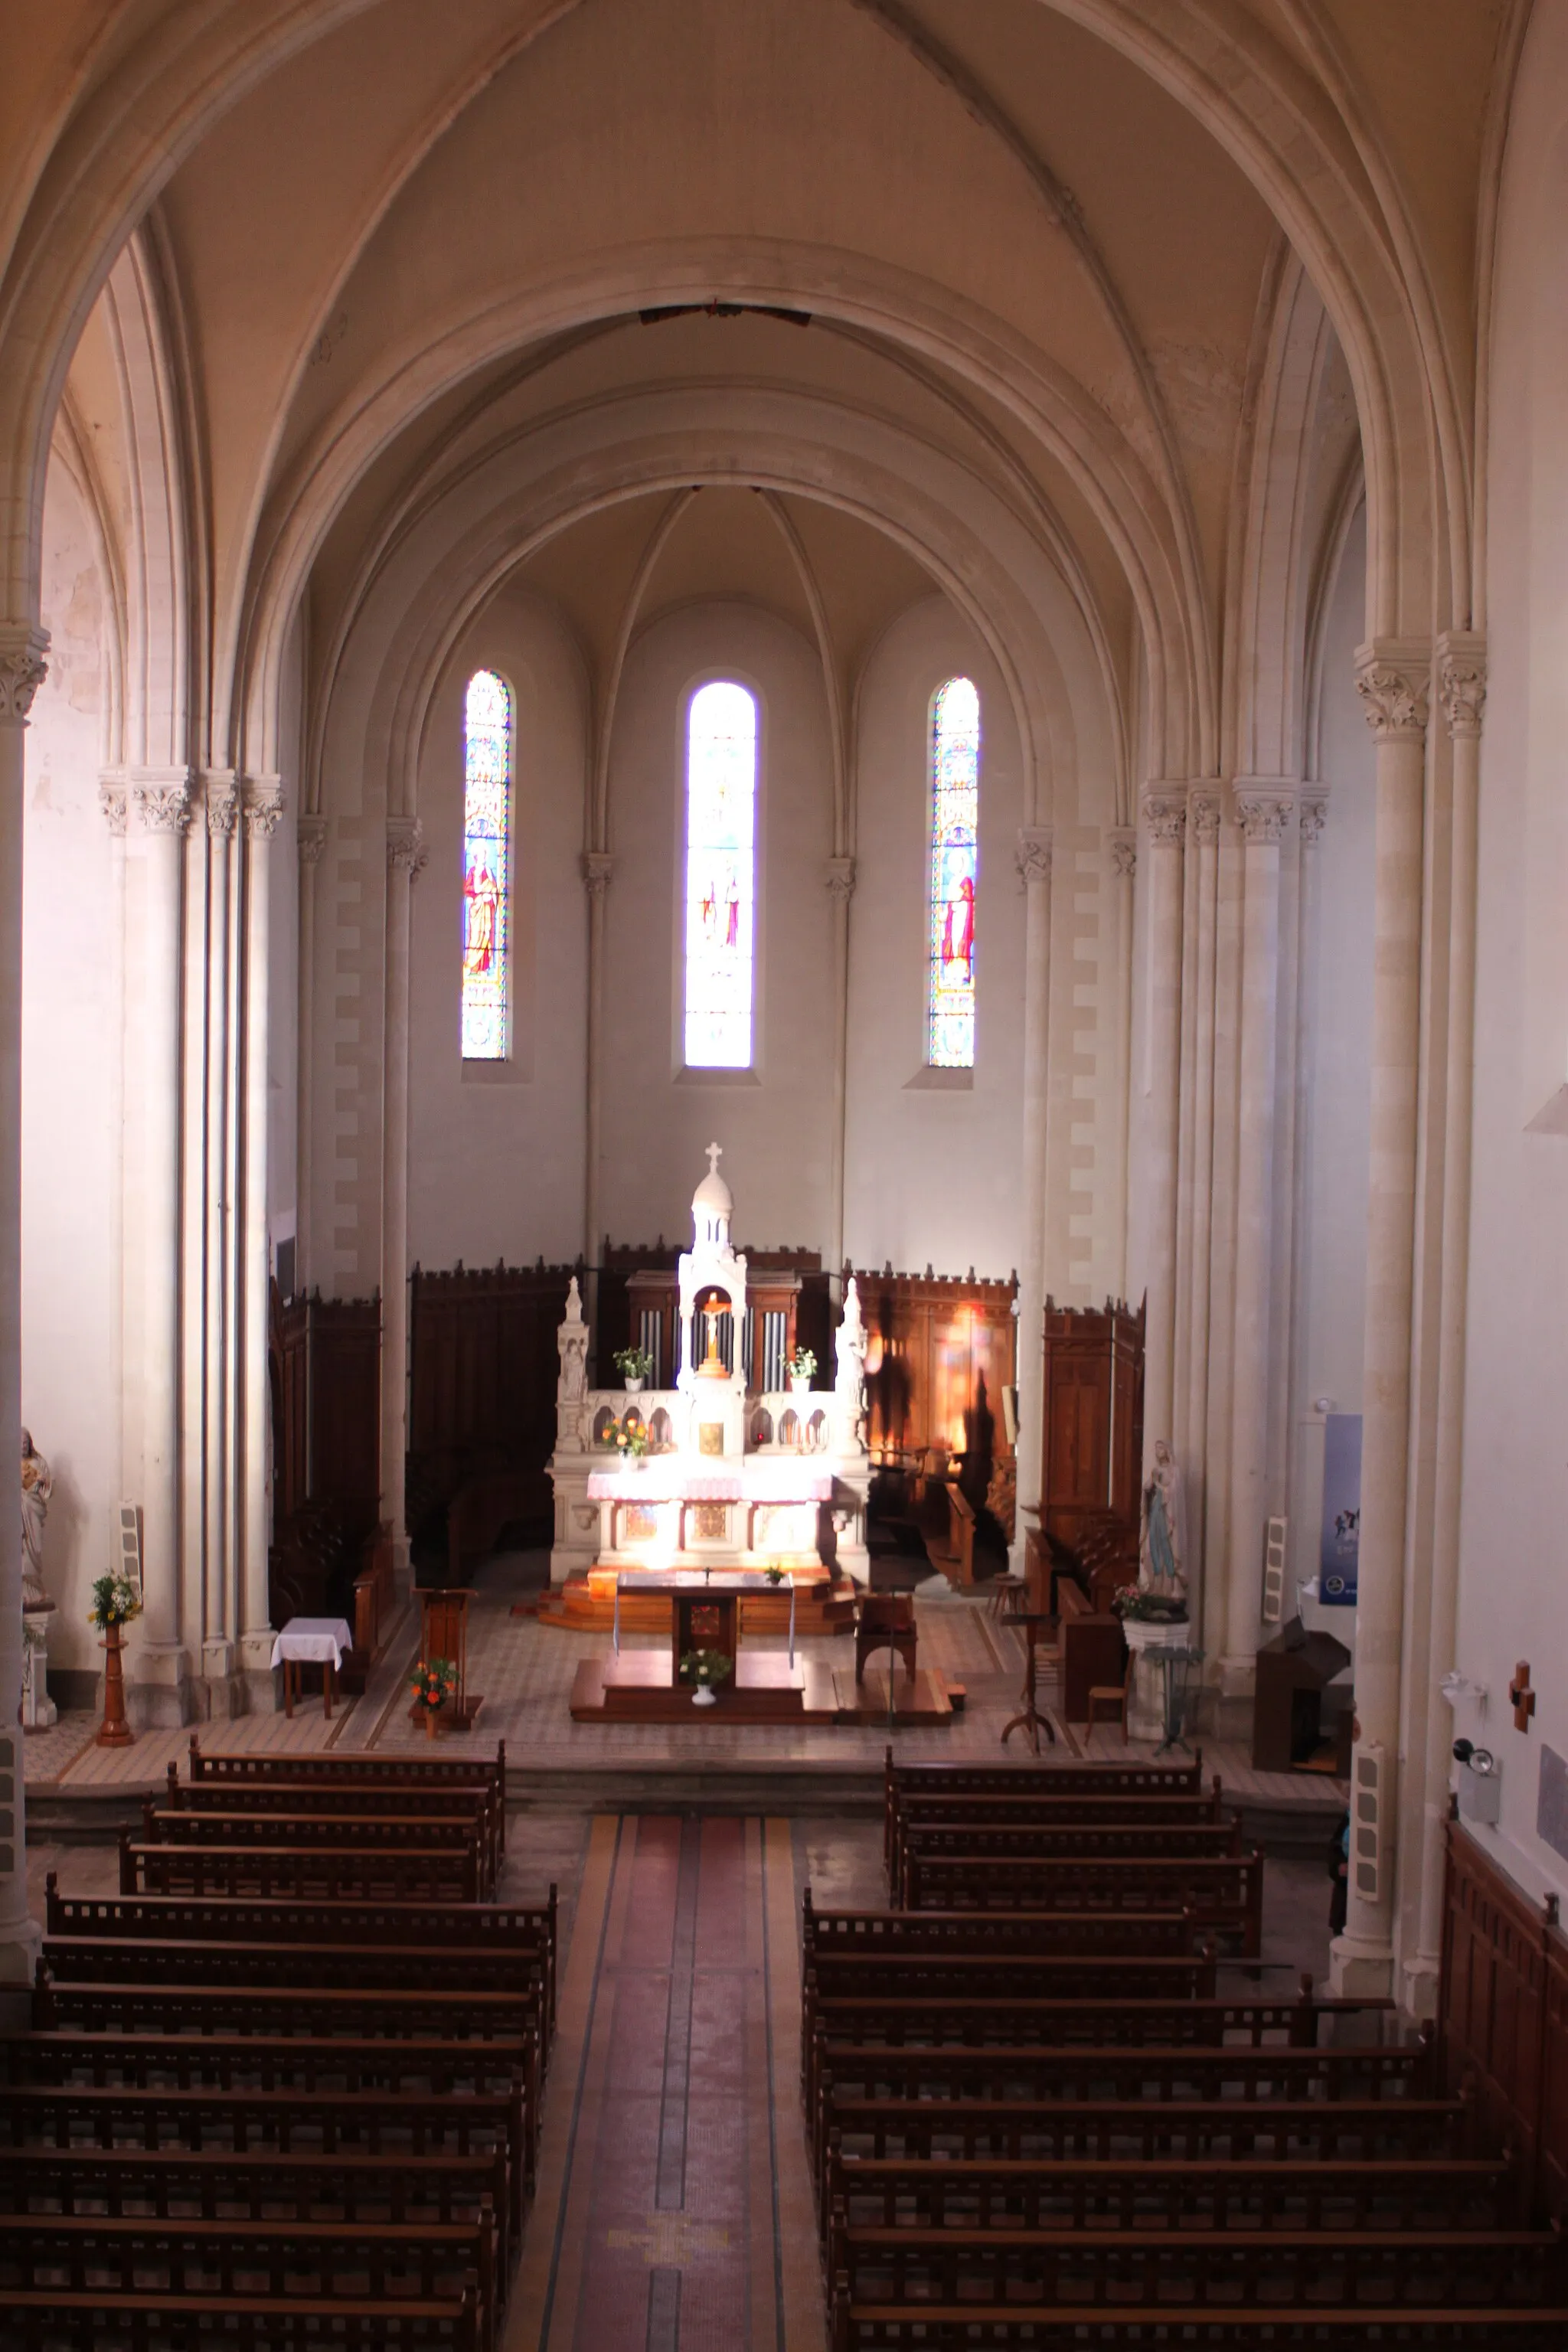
{"points": [[316, 1640], [760, 1478]]}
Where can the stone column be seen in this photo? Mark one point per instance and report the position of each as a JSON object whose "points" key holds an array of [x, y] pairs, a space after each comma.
{"points": [[1462, 677], [406, 859], [1393, 680], [1263, 810], [219, 1616], [261, 802], [1165, 814], [598, 865], [158, 1684], [1121, 842], [1032, 856], [312, 840], [840, 878], [21, 674], [1190, 1415]]}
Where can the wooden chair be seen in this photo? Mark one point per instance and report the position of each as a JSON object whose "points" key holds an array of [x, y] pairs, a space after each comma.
{"points": [[1112, 1698]]}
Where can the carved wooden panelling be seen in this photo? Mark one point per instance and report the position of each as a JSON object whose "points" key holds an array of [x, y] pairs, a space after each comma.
{"points": [[1503, 2018], [1092, 1417], [327, 1408], [483, 1368], [940, 1351]]}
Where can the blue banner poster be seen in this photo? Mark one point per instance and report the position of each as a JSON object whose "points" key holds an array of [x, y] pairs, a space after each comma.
{"points": [[1341, 1547]]}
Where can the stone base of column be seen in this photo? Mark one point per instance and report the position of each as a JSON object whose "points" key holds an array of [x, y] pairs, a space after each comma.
{"points": [[403, 1565], [39, 1712], [158, 1696], [220, 1694], [1359, 1970], [259, 1679], [21, 1946], [1419, 1980]]}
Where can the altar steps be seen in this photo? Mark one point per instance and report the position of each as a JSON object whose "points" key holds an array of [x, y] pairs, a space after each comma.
{"points": [[820, 1607], [638, 1687]]}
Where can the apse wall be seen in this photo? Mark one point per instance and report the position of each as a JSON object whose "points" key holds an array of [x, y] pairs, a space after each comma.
{"points": [[495, 1149], [933, 1159], [1513, 1599], [71, 1030], [775, 1121]]}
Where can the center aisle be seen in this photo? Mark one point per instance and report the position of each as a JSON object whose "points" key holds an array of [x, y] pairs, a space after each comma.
{"points": [[674, 2209]]}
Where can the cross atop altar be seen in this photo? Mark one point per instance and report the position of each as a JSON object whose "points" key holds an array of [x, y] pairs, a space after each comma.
{"points": [[712, 1474]]}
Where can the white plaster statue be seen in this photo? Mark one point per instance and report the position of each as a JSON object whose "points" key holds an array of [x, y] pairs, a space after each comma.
{"points": [[1162, 1547], [37, 1485], [849, 1379], [571, 1383]]}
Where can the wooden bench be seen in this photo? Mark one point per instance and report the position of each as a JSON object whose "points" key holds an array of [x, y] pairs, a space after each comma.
{"points": [[277, 2012], [1453, 2194], [968, 2326], [1059, 1780], [1084, 1936], [409, 1874], [351, 1771], [41, 2319], [1037, 1806], [1224, 1894], [382, 2122], [943, 2068], [1041, 1975], [307, 1832], [188, 1961], [973, 1989], [324, 2261], [1063, 1842], [477, 1802]]}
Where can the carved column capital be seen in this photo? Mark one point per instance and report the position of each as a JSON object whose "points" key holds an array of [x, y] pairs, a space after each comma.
{"points": [[164, 798], [1393, 680], [1203, 814], [405, 850], [1032, 853], [1462, 681], [597, 867], [839, 879], [1121, 841], [311, 833], [1263, 810], [114, 803], [23, 670], [1314, 815], [221, 788], [1166, 813], [261, 798]]}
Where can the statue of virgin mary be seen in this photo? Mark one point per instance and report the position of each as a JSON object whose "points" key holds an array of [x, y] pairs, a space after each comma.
{"points": [[1163, 1545]]}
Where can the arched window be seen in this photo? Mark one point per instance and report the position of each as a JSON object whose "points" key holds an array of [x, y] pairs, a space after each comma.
{"points": [[954, 852], [720, 876], [487, 867]]}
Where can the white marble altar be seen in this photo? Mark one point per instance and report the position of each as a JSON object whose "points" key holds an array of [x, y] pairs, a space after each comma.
{"points": [[732, 1477]]}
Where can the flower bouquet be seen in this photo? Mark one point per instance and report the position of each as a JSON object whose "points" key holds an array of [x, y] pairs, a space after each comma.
{"points": [[435, 1682], [802, 1370], [116, 1600], [1140, 1605], [705, 1667]]}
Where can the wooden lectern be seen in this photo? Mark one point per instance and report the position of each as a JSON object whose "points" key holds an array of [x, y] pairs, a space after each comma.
{"points": [[444, 1634]]}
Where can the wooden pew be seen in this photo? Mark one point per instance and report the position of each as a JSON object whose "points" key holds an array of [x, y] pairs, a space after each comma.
{"points": [[984, 2002], [280, 2011], [409, 2122], [1450, 2193], [1055, 1841], [1059, 1780], [1042, 1975], [476, 1802], [1084, 1936], [42, 2319], [408, 1874], [1223, 1895], [361, 1832], [451, 1939], [324, 2262], [176, 1959], [378, 1771]]}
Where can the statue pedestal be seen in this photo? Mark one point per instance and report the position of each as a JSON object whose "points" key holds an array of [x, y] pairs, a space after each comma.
{"points": [[39, 1712], [1146, 1707]]}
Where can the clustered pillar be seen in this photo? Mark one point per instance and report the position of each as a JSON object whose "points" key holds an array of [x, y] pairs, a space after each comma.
{"points": [[1033, 857]]}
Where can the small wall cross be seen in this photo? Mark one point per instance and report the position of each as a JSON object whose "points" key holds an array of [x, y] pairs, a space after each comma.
{"points": [[715, 1153], [1521, 1697]]}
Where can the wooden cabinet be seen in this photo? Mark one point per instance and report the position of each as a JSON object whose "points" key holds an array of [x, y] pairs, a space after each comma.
{"points": [[1091, 1404]]}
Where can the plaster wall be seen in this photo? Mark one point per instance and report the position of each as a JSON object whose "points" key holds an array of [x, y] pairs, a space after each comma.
{"points": [[1513, 1597], [496, 1149], [70, 1050]]}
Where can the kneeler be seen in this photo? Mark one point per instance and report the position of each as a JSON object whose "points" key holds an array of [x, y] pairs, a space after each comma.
{"points": [[444, 1634]]}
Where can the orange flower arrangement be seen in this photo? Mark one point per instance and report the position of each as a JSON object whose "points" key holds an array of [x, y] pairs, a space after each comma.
{"points": [[435, 1681]]}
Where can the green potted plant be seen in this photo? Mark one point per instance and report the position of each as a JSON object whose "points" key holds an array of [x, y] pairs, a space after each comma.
{"points": [[634, 1366], [775, 1575], [705, 1667], [802, 1369], [116, 1600]]}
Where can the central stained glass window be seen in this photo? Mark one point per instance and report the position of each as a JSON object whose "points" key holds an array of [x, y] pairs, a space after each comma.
{"points": [[720, 876], [955, 870], [487, 863]]}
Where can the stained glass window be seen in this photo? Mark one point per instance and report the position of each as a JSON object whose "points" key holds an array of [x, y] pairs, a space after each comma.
{"points": [[487, 864], [720, 871], [954, 852]]}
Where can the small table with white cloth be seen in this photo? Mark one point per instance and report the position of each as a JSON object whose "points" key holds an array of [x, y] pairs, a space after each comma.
{"points": [[312, 1641]]}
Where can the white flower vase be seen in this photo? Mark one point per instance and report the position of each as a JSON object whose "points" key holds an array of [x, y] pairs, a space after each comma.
{"points": [[800, 1383], [703, 1695], [634, 1385]]}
